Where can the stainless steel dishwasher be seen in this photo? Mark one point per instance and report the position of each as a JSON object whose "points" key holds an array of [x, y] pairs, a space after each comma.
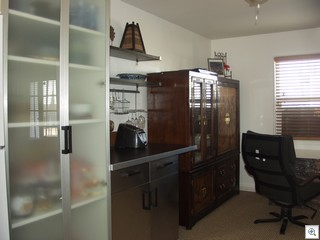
{"points": [[145, 201]]}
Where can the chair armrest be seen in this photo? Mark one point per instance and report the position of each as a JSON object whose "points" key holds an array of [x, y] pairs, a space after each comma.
{"points": [[302, 182], [307, 170], [306, 159]]}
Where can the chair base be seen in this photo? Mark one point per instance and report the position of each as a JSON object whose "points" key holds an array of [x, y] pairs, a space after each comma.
{"points": [[285, 215]]}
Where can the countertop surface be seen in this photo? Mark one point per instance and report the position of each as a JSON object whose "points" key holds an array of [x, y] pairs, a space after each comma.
{"points": [[122, 158]]}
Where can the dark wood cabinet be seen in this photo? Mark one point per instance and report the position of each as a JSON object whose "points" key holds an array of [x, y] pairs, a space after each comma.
{"points": [[191, 108], [227, 100]]}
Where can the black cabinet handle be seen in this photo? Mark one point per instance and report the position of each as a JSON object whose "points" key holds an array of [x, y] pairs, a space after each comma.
{"points": [[165, 165], [67, 139], [146, 203], [155, 204], [131, 173]]}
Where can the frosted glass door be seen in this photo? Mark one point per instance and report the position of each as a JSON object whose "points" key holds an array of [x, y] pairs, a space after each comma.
{"points": [[33, 119], [87, 114]]}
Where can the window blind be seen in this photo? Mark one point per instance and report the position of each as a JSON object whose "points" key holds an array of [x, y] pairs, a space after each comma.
{"points": [[297, 96]]}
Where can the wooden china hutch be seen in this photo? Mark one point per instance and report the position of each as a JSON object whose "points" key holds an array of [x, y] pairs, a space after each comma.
{"points": [[192, 108]]}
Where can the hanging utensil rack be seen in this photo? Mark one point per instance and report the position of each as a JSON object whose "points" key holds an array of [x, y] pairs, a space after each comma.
{"points": [[132, 82]]}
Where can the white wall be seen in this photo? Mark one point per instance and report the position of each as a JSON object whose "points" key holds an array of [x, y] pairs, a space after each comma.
{"points": [[178, 47], [251, 60]]}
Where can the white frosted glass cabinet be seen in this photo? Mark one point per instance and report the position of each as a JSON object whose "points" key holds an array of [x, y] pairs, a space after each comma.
{"points": [[55, 75]]}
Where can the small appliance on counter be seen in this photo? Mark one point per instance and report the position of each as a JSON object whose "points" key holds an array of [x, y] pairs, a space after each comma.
{"points": [[129, 136]]}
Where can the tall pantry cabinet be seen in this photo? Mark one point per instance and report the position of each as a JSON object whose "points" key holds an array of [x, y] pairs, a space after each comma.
{"points": [[55, 71], [192, 108]]}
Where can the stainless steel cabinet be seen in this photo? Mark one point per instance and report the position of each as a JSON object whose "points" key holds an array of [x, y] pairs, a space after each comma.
{"points": [[129, 219], [165, 186], [55, 74], [145, 201]]}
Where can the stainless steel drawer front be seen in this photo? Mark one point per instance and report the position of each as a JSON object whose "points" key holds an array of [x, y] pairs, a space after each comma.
{"points": [[164, 167], [129, 177]]}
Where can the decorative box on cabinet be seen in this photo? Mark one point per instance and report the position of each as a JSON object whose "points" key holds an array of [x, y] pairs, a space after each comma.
{"points": [[192, 108]]}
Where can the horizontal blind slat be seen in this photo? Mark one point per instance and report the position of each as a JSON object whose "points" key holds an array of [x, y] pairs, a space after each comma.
{"points": [[297, 96]]}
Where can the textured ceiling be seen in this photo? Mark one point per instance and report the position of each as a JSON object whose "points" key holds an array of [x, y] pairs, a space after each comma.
{"points": [[216, 19]]}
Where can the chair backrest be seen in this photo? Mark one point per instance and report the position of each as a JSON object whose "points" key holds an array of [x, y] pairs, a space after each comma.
{"points": [[270, 160]]}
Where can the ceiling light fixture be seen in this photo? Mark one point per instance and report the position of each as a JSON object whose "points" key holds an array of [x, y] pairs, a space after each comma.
{"points": [[256, 4]]}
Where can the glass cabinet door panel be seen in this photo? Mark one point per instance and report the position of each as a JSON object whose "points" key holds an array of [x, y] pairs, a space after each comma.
{"points": [[87, 114], [33, 37], [209, 117], [33, 122], [87, 37], [195, 102], [42, 8]]}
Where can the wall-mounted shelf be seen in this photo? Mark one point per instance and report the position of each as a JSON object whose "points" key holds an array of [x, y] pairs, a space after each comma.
{"points": [[131, 82], [132, 55], [123, 90]]}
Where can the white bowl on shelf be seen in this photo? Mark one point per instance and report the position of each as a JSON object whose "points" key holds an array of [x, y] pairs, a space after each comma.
{"points": [[80, 110]]}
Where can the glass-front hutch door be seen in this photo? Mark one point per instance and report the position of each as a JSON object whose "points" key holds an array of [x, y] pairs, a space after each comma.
{"points": [[197, 114], [209, 99], [202, 110], [87, 116], [33, 42]]}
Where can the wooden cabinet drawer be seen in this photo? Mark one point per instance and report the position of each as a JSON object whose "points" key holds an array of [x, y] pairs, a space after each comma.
{"points": [[202, 186], [226, 177], [225, 185], [226, 170]]}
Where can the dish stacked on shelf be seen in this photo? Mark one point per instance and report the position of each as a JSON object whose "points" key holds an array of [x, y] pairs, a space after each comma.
{"points": [[132, 76]]}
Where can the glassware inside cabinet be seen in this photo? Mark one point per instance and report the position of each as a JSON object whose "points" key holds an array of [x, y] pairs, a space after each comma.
{"points": [[84, 14], [43, 8], [83, 47], [33, 38]]}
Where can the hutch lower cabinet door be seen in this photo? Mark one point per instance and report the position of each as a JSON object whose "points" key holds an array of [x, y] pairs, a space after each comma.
{"points": [[56, 118], [191, 108]]}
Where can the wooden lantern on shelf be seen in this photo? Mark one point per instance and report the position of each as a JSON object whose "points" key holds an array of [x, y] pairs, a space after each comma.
{"points": [[132, 38]]}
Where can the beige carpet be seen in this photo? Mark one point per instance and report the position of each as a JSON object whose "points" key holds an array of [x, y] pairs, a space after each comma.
{"points": [[234, 221]]}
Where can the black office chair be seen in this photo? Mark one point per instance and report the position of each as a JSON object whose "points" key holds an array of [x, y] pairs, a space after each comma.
{"points": [[270, 159]]}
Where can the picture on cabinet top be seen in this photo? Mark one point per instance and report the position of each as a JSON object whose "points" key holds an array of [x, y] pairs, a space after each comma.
{"points": [[216, 65]]}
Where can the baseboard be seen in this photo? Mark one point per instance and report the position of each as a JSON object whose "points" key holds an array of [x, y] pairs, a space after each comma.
{"points": [[247, 188]]}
